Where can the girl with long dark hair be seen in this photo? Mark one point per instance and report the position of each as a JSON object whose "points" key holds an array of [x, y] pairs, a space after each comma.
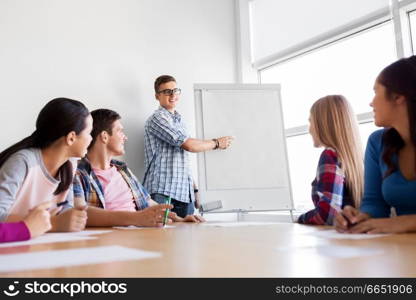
{"points": [[389, 201], [40, 167]]}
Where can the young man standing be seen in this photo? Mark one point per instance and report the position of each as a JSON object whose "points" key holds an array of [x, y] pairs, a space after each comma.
{"points": [[167, 144], [114, 195]]}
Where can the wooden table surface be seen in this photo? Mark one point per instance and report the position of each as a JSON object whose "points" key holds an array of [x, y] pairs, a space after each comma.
{"points": [[276, 250]]}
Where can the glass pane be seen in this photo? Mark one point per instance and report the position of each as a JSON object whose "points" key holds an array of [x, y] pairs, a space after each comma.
{"points": [[412, 17], [348, 67], [303, 160], [365, 131]]}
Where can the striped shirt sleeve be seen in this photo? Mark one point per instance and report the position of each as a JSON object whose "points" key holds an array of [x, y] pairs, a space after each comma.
{"points": [[163, 128]]}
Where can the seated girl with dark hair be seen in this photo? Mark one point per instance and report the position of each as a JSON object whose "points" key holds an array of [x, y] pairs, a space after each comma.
{"points": [[40, 168], [390, 157]]}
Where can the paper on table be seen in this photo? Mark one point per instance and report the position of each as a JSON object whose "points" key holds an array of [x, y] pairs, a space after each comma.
{"points": [[49, 238], [57, 237], [71, 257], [333, 234], [141, 227], [89, 232], [236, 224]]}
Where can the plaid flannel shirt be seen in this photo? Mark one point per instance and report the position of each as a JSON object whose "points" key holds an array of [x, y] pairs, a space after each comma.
{"points": [[87, 186], [166, 163], [329, 193]]}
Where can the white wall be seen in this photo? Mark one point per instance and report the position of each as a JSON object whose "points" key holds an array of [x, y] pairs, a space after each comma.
{"points": [[107, 54]]}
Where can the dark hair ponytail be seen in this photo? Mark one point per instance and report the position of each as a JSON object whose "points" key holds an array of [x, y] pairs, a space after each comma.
{"points": [[399, 78], [393, 142], [57, 118]]}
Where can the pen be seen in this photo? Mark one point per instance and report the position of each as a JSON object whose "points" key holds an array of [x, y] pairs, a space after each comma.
{"points": [[165, 219], [62, 203]]}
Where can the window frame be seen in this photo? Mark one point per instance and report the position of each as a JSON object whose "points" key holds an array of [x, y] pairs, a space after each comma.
{"points": [[399, 14]]}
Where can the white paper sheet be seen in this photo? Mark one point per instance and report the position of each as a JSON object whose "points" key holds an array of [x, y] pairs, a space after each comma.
{"points": [[71, 257], [333, 234], [141, 227], [89, 232], [57, 237], [236, 224], [49, 238]]}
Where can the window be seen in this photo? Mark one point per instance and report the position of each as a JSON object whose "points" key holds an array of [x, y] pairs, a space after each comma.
{"points": [[348, 67], [302, 168], [412, 18]]}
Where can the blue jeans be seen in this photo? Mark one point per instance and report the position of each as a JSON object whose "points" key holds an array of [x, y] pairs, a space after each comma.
{"points": [[180, 208]]}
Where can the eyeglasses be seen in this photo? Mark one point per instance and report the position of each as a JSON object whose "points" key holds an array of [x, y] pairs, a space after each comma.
{"points": [[169, 92]]}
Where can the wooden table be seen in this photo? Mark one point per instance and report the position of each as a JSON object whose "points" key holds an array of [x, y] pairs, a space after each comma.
{"points": [[276, 250]]}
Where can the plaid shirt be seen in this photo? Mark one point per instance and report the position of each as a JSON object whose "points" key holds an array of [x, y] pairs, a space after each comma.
{"points": [[166, 163], [87, 186], [329, 193]]}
